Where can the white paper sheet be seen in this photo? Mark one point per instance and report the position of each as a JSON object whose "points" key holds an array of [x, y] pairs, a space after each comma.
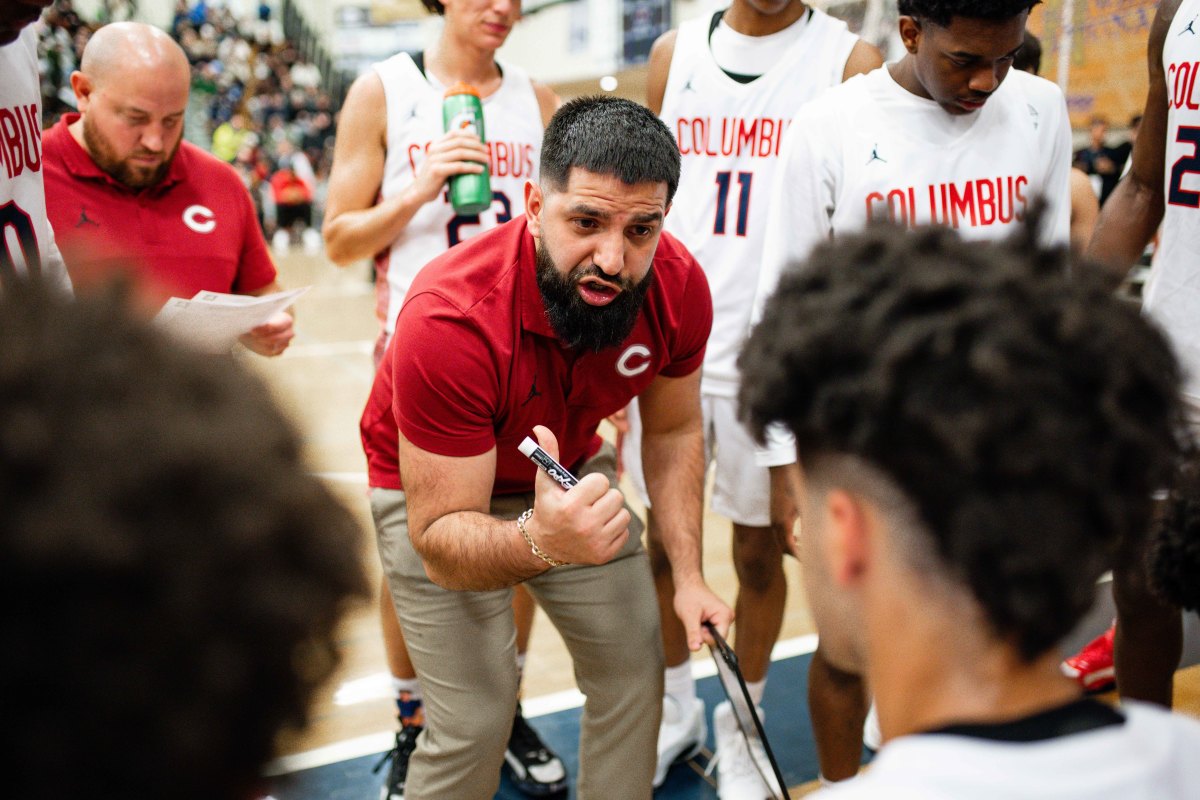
{"points": [[213, 320]]}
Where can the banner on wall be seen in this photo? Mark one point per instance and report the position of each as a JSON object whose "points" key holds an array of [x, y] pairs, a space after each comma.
{"points": [[1107, 66], [642, 21]]}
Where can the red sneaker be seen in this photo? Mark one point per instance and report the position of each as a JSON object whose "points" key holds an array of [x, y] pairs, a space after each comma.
{"points": [[1092, 667]]}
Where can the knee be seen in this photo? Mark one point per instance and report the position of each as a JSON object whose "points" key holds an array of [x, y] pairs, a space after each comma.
{"points": [[481, 729], [758, 561]]}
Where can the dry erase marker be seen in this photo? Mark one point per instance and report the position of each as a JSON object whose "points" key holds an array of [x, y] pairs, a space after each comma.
{"points": [[529, 448]]}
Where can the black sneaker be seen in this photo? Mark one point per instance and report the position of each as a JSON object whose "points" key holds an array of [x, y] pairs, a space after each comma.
{"points": [[406, 742], [533, 767]]}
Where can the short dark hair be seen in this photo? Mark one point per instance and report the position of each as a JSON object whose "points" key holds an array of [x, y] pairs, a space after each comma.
{"points": [[1028, 416], [1029, 57], [610, 136], [941, 12], [171, 573], [434, 7]]}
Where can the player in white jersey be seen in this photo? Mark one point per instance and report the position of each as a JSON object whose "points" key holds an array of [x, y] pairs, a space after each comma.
{"points": [[26, 240], [1162, 186], [948, 135], [966, 413], [727, 85], [388, 200]]}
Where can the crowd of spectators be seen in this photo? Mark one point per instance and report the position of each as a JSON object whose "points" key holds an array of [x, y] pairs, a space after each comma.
{"points": [[257, 103]]}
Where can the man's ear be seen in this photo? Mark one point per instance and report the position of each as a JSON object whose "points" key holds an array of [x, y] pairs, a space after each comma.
{"points": [[848, 546], [534, 204], [82, 86], [910, 33]]}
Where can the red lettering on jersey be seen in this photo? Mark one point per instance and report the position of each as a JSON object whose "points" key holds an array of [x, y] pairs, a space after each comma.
{"points": [[1181, 82], [728, 135], [766, 130], [10, 140], [1006, 192], [415, 150], [872, 212], [985, 200], [747, 136], [897, 200], [1021, 182], [962, 204], [503, 168]]}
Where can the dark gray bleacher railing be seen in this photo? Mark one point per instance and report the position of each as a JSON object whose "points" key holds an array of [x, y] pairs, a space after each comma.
{"points": [[308, 44]]}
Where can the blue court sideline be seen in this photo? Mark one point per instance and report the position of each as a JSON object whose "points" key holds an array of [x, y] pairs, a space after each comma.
{"points": [[786, 723]]}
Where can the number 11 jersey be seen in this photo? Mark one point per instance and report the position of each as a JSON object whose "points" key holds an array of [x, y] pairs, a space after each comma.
{"points": [[729, 135]]}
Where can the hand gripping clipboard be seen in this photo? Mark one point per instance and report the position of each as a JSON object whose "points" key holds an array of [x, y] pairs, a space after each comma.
{"points": [[747, 716]]}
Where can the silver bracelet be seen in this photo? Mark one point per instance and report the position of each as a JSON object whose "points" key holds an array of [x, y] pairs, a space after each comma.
{"points": [[533, 548]]}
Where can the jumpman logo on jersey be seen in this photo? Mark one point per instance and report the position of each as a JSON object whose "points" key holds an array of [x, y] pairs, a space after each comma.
{"points": [[1189, 28], [687, 86], [1033, 115], [83, 219], [533, 391], [875, 155]]}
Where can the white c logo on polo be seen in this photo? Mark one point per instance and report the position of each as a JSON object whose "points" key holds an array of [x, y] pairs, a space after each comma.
{"points": [[634, 351], [200, 219]]}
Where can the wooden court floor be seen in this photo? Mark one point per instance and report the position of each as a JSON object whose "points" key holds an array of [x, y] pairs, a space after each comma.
{"points": [[323, 381]]}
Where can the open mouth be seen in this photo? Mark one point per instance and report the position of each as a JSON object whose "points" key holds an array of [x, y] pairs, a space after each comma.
{"points": [[596, 292]]}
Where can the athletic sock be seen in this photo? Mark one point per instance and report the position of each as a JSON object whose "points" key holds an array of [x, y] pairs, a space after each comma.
{"points": [[756, 690], [520, 668], [409, 707], [679, 685]]}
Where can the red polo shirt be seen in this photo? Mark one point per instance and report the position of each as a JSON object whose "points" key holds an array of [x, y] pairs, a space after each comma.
{"points": [[474, 362], [194, 231]]}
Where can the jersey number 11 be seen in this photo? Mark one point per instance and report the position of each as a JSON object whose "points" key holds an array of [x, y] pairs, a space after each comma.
{"points": [[743, 209]]}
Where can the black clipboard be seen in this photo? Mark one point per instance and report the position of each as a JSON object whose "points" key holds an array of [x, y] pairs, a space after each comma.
{"points": [[730, 675]]}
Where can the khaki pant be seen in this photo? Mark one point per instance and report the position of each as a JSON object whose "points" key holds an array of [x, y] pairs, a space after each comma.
{"points": [[463, 645]]}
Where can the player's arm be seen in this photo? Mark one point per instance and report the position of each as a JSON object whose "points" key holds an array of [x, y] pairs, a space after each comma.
{"points": [[357, 227], [464, 547], [548, 101], [660, 66], [673, 456], [1085, 208], [863, 58], [1134, 210]]}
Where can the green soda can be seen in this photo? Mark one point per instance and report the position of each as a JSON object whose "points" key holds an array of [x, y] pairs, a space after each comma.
{"points": [[463, 111]]}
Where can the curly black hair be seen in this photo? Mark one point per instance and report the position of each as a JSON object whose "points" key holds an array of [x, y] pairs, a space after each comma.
{"points": [[941, 12], [171, 574], [1174, 553], [1028, 416]]}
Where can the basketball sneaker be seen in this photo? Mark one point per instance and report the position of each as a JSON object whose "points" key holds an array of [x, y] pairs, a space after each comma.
{"points": [[738, 776], [406, 742], [680, 736], [532, 766], [1092, 667]]}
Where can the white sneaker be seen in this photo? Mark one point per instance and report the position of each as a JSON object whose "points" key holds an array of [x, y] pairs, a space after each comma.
{"points": [[737, 776], [680, 736], [872, 735]]}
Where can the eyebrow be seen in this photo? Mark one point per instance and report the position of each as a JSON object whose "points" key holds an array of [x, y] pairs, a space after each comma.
{"points": [[134, 110], [589, 211], [964, 54]]}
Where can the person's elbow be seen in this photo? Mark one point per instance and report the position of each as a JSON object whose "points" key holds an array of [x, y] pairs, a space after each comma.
{"points": [[339, 245]]}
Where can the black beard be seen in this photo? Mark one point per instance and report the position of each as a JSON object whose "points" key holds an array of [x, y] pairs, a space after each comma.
{"points": [[582, 326]]}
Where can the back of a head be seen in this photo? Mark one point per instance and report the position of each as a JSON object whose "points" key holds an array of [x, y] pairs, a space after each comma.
{"points": [[1027, 416], [170, 572], [940, 12], [1029, 57], [609, 136]]}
